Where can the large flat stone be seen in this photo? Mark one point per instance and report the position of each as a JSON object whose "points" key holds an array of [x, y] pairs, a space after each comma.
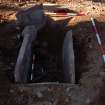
{"points": [[23, 64], [31, 16]]}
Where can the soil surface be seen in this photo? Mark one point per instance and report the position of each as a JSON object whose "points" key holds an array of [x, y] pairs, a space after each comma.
{"points": [[90, 69]]}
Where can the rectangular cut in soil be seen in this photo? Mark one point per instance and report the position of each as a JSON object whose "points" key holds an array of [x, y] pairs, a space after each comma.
{"points": [[49, 50]]}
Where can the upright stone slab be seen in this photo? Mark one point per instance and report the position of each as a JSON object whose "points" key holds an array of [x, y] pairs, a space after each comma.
{"points": [[68, 58], [23, 64], [32, 19]]}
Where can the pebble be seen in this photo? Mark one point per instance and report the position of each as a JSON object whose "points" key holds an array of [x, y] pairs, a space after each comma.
{"points": [[18, 28], [11, 91], [12, 63], [88, 101], [18, 36], [93, 8], [21, 89], [66, 100], [39, 94], [49, 89], [90, 46], [102, 74], [68, 89]]}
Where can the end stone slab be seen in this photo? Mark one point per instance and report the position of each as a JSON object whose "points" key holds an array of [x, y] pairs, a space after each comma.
{"points": [[23, 64], [31, 16], [68, 58]]}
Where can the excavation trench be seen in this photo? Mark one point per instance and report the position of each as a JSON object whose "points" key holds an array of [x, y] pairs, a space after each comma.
{"points": [[47, 53], [48, 49]]}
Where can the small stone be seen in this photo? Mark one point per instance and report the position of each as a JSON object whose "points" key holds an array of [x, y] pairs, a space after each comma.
{"points": [[67, 89], [102, 74], [49, 89], [21, 90], [88, 101], [11, 91], [55, 102], [12, 63], [94, 8], [18, 36], [66, 100], [69, 95], [90, 46], [39, 94], [18, 28]]}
